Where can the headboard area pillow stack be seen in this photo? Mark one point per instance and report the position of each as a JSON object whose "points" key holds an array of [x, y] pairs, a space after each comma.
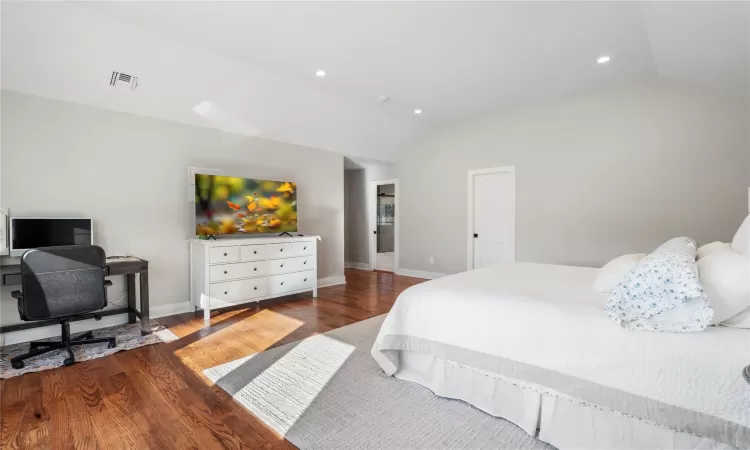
{"points": [[680, 288], [662, 292], [713, 247]]}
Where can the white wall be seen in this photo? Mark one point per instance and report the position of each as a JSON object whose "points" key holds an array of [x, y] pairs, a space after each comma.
{"points": [[129, 174], [597, 176], [356, 228]]}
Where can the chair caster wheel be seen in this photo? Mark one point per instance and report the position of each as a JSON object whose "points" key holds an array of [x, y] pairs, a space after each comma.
{"points": [[112, 345], [17, 364], [69, 362]]}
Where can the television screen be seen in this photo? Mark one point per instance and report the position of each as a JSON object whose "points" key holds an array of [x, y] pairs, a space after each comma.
{"points": [[230, 205], [32, 232]]}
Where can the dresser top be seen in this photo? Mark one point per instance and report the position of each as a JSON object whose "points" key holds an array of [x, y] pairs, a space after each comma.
{"points": [[253, 240]]}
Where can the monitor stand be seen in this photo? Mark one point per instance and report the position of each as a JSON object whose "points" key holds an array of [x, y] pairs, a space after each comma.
{"points": [[286, 234]]}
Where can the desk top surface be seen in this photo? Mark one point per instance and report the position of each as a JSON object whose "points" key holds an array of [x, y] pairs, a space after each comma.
{"points": [[123, 259], [118, 262]]}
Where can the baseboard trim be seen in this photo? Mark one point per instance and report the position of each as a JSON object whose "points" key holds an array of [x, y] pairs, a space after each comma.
{"points": [[170, 309], [51, 331], [359, 266], [331, 281], [420, 274]]}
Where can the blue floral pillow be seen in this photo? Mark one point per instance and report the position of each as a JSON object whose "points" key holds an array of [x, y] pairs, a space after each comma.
{"points": [[662, 292]]}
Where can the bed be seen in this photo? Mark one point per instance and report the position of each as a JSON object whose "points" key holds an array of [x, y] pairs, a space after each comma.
{"points": [[531, 343]]}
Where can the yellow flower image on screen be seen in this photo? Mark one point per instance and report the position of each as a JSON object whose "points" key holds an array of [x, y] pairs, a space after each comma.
{"points": [[230, 205]]}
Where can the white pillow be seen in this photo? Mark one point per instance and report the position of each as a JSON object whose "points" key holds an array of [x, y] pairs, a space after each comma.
{"points": [[614, 271], [713, 247], [726, 282], [741, 241]]}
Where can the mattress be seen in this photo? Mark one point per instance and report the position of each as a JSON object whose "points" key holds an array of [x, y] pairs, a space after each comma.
{"points": [[543, 325]]}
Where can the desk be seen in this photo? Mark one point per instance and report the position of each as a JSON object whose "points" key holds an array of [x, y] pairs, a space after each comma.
{"points": [[130, 267]]}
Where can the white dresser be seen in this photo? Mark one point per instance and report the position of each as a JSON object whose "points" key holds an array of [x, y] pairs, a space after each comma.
{"points": [[229, 272]]}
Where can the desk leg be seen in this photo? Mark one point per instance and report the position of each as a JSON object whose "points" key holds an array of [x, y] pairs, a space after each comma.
{"points": [[131, 297], [145, 326]]}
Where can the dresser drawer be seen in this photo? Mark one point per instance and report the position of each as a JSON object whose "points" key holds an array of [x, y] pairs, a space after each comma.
{"points": [[219, 255], [224, 272], [280, 250], [278, 284], [288, 265], [240, 290], [302, 248], [253, 252]]}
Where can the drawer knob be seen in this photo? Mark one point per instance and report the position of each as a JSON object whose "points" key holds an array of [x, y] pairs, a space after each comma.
{"points": [[225, 272], [225, 254], [282, 265], [225, 292], [281, 250], [255, 269], [305, 279], [304, 262], [255, 252], [304, 248], [255, 288], [282, 283]]}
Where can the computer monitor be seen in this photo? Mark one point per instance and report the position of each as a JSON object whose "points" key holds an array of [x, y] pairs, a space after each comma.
{"points": [[38, 232]]}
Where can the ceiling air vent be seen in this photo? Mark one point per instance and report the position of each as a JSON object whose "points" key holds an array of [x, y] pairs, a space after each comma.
{"points": [[123, 80]]}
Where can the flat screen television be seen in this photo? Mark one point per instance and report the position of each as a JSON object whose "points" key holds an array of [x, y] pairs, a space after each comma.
{"points": [[231, 205]]}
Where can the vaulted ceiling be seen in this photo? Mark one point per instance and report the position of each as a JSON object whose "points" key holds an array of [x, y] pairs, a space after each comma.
{"points": [[253, 64]]}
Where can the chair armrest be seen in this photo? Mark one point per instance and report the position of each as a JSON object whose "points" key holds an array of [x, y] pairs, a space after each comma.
{"points": [[17, 295], [107, 283]]}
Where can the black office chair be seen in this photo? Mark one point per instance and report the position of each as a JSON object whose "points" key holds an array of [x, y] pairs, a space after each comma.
{"points": [[63, 283]]}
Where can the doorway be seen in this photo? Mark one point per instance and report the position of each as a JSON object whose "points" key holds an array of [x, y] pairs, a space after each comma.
{"points": [[384, 246], [492, 217]]}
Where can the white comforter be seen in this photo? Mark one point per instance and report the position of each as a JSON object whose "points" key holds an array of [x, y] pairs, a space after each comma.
{"points": [[543, 324]]}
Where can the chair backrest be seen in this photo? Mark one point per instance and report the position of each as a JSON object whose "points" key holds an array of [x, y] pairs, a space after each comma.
{"points": [[62, 281]]}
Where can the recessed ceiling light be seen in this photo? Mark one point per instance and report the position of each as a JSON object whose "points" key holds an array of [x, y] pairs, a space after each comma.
{"points": [[320, 73], [602, 60], [417, 111]]}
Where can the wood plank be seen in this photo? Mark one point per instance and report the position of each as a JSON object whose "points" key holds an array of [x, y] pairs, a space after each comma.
{"points": [[60, 429], [35, 427], [81, 425], [53, 387], [11, 421], [165, 416]]}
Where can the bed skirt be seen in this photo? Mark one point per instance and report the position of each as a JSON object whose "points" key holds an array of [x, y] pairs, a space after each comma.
{"points": [[557, 420]]}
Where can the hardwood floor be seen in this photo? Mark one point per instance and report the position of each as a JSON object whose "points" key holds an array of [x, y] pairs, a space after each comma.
{"points": [[157, 397]]}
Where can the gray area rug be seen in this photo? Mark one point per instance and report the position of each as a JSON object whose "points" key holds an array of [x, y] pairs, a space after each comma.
{"points": [[327, 392], [128, 337]]}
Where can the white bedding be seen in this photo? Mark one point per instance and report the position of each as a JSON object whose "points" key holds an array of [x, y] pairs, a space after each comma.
{"points": [[544, 324]]}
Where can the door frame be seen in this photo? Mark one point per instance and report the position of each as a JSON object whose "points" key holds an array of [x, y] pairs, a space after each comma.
{"points": [[511, 170], [372, 220]]}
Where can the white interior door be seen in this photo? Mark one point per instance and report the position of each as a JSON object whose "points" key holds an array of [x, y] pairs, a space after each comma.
{"points": [[492, 217]]}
